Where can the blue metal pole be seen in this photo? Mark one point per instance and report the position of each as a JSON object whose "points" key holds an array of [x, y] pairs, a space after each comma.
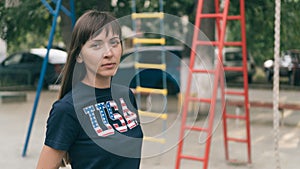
{"points": [[72, 9], [42, 75]]}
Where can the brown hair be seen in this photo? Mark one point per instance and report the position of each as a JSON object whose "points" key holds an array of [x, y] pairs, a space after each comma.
{"points": [[89, 25]]}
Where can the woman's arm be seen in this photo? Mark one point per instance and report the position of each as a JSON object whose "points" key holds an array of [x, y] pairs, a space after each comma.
{"points": [[50, 158]]}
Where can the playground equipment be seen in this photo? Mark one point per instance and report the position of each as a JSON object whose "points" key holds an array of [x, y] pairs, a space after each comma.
{"points": [[220, 43], [55, 13], [141, 65], [276, 114], [221, 17]]}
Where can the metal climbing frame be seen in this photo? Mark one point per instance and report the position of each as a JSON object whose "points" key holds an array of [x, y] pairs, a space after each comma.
{"points": [[221, 18], [140, 65], [55, 12]]}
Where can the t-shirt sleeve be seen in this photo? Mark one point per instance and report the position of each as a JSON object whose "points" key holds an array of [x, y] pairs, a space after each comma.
{"points": [[62, 126]]}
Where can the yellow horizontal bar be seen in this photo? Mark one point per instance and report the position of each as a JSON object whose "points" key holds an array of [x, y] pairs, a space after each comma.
{"points": [[161, 41], [158, 140], [159, 15], [150, 66], [163, 116], [152, 90]]}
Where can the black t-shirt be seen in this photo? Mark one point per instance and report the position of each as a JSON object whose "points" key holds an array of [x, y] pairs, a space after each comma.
{"points": [[99, 128]]}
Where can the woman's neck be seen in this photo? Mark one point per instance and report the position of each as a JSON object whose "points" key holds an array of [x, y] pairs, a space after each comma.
{"points": [[97, 82]]}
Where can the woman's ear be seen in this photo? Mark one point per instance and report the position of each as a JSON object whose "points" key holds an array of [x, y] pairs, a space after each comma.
{"points": [[79, 58]]}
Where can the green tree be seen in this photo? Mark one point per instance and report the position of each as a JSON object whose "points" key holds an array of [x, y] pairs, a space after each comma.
{"points": [[290, 24], [23, 25], [28, 25], [260, 26]]}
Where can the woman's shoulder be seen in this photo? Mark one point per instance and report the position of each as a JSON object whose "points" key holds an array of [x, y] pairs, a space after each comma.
{"points": [[65, 102], [120, 88], [115, 85]]}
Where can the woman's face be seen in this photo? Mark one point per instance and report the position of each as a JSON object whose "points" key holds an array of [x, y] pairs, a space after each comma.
{"points": [[101, 55]]}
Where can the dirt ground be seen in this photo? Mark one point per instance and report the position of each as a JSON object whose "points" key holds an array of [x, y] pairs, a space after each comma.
{"points": [[15, 117]]}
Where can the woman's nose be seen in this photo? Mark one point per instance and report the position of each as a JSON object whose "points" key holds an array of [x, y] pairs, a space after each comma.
{"points": [[107, 50]]}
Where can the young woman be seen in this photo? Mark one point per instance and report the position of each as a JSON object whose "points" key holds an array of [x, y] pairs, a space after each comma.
{"points": [[94, 123]]}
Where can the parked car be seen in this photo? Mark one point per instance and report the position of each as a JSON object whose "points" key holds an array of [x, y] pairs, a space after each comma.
{"points": [[232, 57], [23, 68], [289, 66], [151, 78], [2, 57]]}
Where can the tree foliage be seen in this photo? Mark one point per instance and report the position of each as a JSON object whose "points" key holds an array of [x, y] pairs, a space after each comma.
{"points": [[24, 24], [260, 26], [28, 25]]}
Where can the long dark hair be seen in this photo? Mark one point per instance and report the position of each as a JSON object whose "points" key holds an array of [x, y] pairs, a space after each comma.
{"points": [[89, 25]]}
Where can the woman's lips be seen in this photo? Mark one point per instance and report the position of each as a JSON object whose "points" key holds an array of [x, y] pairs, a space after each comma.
{"points": [[109, 65]]}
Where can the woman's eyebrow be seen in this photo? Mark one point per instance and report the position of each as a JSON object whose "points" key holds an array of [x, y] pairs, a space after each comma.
{"points": [[101, 40], [96, 40], [116, 37]]}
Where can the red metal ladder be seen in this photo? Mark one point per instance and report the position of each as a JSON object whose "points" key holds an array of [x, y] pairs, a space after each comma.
{"points": [[221, 23]]}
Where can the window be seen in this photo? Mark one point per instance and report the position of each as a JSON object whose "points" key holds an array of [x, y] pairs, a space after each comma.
{"points": [[29, 58], [13, 60], [233, 56]]}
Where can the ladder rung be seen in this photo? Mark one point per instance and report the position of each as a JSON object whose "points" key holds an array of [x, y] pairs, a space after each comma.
{"points": [[196, 128], [234, 17], [159, 15], [231, 92], [237, 140], [219, 15], [163, 116], [232, 116], [215, 43], [203, 71], [151, 90], [240, 69], [157, 140], [210, 15], [206, 100], [150, 66], [192, 158], [161, 41], [233, 43]]}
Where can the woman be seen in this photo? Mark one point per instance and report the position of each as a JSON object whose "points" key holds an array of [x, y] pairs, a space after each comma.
{"points": [[94, 123]]}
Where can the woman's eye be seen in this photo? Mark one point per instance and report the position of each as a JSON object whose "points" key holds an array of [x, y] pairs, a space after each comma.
{"points": [[97, 46], [115, 43]]}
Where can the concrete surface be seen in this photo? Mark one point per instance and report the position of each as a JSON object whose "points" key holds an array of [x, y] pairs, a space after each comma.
{"points": [[14, 122]]}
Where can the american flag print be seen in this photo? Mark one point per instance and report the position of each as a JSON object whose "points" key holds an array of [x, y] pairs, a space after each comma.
{"points": [[111, 109]]}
